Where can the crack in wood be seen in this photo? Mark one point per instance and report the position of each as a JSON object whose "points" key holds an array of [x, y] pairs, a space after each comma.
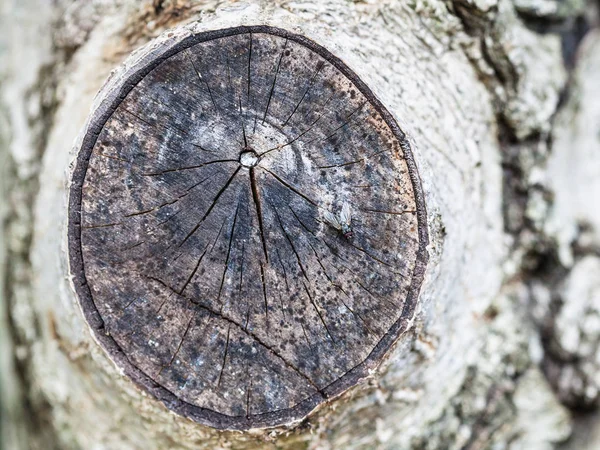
{"points": [[248, 389], [310, 127], [345, 123], [320, 65], [356, 277], [249, 62], [172, 202], [187, 329], [375, 258], [224, 356], [201, 78], [212, 205], [242, 121], [264, 291], [274, 81], [218, 234], [301, 222], [239, 105], [250, 334], [305, 335], [349, 163], [289, 240], [340, 287], [287, 286], [313, 303], [259, 212], [290, 187], [396, 213], [226, 268], [193, 273], [180, 169]]}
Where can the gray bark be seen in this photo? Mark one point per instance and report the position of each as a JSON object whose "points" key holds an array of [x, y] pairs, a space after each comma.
{"points": [[505, 338]]}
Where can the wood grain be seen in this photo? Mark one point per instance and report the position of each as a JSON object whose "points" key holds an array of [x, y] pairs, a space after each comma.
{"points": [[198, 238]]}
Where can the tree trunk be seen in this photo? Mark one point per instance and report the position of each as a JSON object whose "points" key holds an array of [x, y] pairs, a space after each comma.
{"points": [[500, 105]]}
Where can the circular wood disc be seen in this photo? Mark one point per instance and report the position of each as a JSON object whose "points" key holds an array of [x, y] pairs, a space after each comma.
{"points": [[247, 229]]}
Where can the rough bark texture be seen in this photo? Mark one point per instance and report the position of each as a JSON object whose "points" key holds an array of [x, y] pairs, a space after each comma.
{"points": [[491, 359]]}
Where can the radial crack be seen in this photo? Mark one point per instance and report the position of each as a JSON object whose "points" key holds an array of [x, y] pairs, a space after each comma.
{"points": [[301, 222], [213, 204], [290, 187], [181, 197], [263, 344], [289, 239], [346, 122], [305, 335], [320, 65], [264, 291], [201, 78], [191, 277], [179, 169], [228, 254], [356, 278], [287, 286], [249, 62], [224, 356], [259, 212], [248, 389], [185, 333], [396, 213], [310, 127], [375, 258], [339, 286], [274, 81], [312, 301], [242, 121]]}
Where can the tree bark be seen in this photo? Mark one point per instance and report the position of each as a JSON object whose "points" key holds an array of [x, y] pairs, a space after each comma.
{"points": [[499, 105]]}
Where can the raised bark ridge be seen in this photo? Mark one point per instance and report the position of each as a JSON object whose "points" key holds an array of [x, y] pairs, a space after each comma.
{"points": [[203, 236]]}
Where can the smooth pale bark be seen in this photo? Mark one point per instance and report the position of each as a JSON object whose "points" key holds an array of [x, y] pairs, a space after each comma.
{"points": [[573, 315], [476, 91]]}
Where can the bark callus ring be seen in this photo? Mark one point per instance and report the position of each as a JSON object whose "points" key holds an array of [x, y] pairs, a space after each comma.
{"points": [[204, 227]]}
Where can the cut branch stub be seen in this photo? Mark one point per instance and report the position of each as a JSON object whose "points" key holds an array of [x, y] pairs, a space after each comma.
{"points": [[207, 236]]}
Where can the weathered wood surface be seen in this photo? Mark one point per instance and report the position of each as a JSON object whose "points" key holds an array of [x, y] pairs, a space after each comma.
{"points": [[201, 234]]}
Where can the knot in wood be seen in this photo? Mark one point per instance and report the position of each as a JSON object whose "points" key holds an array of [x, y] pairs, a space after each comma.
{"points": [[247, 230]]}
